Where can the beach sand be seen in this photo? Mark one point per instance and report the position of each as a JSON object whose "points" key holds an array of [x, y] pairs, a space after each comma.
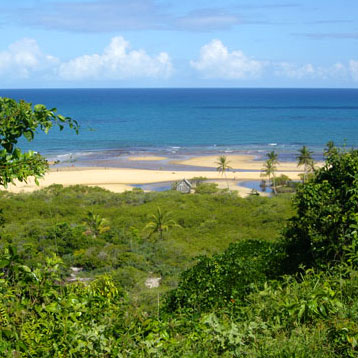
{"points": [[242, 162], [147, 158], [121, 179]]}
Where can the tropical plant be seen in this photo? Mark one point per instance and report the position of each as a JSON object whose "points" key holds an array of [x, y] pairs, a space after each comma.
{"points": [[325, 227], [305, 158], [273, 157], [223, 167], [227, 277], [270, 168], [95, 224], [161, 222], [17, 120]]}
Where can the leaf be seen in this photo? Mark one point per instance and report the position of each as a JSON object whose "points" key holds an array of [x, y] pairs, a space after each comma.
{"points": [[4, 263], [39, 107], [29, 135]]}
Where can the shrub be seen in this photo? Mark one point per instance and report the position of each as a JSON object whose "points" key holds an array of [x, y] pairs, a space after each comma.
{"points": [[226, 277], [206, 188], [325, 227]]}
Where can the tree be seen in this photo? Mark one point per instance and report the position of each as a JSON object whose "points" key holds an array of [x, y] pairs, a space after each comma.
{"points": [[160, 223], [223, 166], [330, 147], [270, 168], [325, 228], [305, 159], [273, 157], [18, 120], [95, 224]]}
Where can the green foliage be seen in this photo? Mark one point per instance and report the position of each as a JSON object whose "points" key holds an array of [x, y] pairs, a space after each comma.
{"points": [[305, 158], [95, 224], [44, 317], [270, 168], [232, 304], [197, 180], [17, 120], [285, 184], [325, 228], [223, 166], [161, 222], [224, 278], [283, 180], [206, 188]]}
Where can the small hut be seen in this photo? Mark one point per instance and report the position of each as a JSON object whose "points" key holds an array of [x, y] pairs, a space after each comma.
{"points": [[184, 186]]}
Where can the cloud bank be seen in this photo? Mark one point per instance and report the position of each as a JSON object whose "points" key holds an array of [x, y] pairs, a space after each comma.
{"points": [[25, 60], [217, 62], [117, 62]]}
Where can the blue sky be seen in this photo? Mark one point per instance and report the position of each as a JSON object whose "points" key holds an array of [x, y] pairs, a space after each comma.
{"points": [[157, 43]]}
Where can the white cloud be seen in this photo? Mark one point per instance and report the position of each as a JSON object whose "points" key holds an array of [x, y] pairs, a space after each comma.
{"points": [[309, 71], [23, 58], [292, 70], [353, 67], [117, 62], [216, 61]]}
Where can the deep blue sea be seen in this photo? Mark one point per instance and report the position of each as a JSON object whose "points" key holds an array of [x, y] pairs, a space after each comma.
{"points": [[180, 121]]}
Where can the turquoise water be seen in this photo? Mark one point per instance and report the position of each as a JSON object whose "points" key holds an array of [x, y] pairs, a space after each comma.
{"points": [[192, 121]]}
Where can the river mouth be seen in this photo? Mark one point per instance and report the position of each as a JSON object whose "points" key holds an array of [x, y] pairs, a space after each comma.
{"points": [[164, 186]]}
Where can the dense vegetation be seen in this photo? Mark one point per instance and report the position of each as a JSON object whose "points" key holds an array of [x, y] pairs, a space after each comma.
{"points": [[106, 232], [271, 280]]}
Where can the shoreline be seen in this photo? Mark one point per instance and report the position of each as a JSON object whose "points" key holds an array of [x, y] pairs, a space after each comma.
{"points": [[151, 157], [245, 168]]}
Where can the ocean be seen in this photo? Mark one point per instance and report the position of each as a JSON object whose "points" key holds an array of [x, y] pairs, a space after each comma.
{"points": [[182, 122]]}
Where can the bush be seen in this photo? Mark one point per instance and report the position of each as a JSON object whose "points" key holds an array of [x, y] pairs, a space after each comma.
{"points": [[206, 188], [282, 180], [325, 227], [226, 277]]}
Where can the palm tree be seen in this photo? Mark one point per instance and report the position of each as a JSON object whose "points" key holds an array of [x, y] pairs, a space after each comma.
{"points": [[223, 166], [330, 148], [96, 225], [305, 159], [160, 222], [273, 157], [269, 170]]}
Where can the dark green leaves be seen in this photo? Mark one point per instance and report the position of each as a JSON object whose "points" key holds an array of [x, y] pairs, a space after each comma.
{"points": [[327, 211], [18, 119]]}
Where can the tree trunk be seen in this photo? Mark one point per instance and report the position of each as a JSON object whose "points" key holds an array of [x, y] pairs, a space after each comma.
{"points": [[274, 184], [227, 182]]}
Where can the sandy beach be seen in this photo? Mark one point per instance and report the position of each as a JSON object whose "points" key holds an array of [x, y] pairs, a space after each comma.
{"points": [[242, 162], [148, 158], [245, 168]]}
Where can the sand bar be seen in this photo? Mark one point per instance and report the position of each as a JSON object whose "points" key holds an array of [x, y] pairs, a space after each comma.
{"points": [[242, 162], [147, 158]]}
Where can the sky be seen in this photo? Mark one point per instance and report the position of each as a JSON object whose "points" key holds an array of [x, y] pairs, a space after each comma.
{"points": [[186, 43]]}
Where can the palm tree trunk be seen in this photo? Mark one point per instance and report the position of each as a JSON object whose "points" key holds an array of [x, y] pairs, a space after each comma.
{"points": [[274, 184], [227, 182]]}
